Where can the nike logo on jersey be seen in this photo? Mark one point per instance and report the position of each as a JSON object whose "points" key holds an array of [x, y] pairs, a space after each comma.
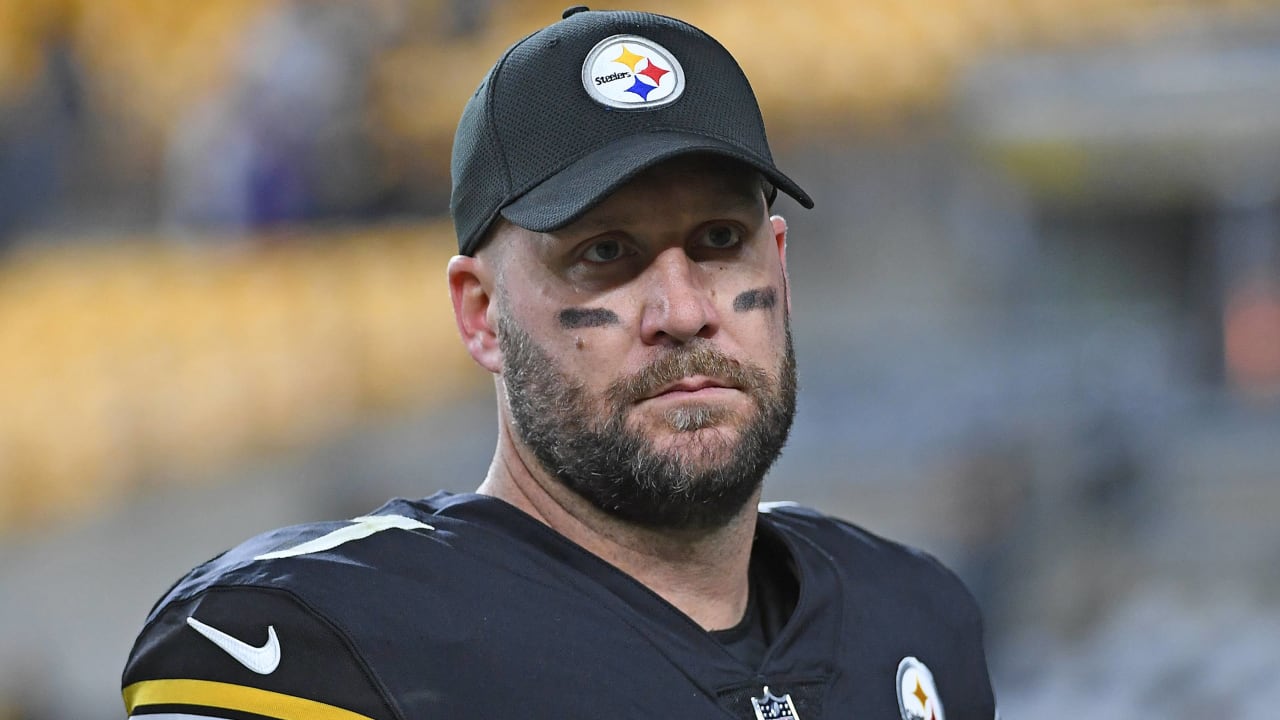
{"points": [[262, 660]]}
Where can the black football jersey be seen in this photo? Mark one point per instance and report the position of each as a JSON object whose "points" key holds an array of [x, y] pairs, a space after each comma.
{"points": [[462, 606]]}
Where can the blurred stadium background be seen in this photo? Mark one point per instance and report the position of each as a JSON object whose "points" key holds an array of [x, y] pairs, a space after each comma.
{"points": [[1037, 310]]}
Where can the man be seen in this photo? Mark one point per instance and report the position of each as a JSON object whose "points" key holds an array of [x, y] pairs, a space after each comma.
{"points": [[621, 276]]}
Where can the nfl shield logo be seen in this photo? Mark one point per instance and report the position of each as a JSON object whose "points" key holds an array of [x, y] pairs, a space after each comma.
{"points": [[772, 707]]}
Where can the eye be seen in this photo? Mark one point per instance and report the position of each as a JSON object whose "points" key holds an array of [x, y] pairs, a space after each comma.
{"points": [[721, 237], [604, 251]]}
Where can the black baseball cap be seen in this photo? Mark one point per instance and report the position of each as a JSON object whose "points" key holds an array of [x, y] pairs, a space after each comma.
{"points": [[573, 111]]}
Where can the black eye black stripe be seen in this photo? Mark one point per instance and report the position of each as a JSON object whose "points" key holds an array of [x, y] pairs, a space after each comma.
{"points": [[573, 318], [758, 299]]}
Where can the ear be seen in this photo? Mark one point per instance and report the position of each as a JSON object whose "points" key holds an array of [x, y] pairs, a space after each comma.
{"points": [[471, 288], [780, 238]]}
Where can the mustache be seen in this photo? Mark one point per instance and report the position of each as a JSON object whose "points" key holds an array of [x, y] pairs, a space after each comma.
{"points": [[686, 361]]}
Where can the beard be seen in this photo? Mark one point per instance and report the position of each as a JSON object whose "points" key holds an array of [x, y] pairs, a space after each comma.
{"points": [[700, 483]]}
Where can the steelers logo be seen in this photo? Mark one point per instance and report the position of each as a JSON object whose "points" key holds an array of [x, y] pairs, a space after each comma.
{"points": [[632, 73], [917, 695]]}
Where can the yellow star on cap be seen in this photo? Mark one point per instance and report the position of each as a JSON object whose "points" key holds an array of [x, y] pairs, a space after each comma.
{"points": [[628, 58], [920, 693]]}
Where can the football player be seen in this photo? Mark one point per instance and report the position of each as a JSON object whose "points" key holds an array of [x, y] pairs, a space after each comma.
{"points": [[622, 276]]}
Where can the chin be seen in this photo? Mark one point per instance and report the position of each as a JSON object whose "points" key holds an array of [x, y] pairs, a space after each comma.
{"points": [[691, 418], [700, 449]]}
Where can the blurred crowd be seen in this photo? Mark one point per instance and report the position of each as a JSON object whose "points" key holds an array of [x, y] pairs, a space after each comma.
{"points": [[251, 113]]}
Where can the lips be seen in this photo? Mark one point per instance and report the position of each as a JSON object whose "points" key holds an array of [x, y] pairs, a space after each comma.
{"points": [[697, 371], [690, 385]]}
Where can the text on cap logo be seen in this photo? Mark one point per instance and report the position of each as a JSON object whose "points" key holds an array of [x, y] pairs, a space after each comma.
{"points": [[631, 72]]}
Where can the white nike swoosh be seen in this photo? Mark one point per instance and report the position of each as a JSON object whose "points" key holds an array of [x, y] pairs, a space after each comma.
{"points": [[262, 660]]}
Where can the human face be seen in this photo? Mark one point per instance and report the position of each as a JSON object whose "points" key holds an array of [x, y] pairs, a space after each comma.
{"points": [[652, 372]]}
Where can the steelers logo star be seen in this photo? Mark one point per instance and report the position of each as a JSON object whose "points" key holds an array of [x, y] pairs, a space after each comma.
{"points": [[917, 694]]}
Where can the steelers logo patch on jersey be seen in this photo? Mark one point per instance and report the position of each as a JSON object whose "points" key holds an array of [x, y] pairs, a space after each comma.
{"points": [[917, 695], [633, 73]]}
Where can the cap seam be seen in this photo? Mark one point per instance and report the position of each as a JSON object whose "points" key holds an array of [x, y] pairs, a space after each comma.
{"points": [[471, 242], [491, 126], [742, 74], [489, 115]]}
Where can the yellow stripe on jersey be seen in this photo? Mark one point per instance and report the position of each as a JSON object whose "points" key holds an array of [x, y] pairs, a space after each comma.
{"points": [[226, 696]]}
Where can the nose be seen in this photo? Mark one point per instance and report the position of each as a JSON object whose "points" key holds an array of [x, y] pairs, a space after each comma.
{"points": [[678, 306]]}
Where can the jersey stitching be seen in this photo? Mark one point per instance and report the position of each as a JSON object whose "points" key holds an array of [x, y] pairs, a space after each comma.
{"points": [[343, 636], [778, 525]]}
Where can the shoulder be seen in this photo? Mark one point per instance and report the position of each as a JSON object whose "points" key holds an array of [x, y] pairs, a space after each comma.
{"points": [[839, 536], [278, 621], [869, 561], [906, 608], [305, 560], [230, 650]]}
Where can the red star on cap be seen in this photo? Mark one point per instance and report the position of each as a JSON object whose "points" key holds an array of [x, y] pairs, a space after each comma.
{"points": [[654, 73]]}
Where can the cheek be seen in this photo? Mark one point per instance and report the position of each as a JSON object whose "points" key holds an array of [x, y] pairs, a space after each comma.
{"points": [[595, 356], [758, 318], [760, 299]]}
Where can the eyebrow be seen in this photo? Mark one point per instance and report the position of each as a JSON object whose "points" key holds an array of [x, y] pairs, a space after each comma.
{"points": [[757, 299], [572, 318]]}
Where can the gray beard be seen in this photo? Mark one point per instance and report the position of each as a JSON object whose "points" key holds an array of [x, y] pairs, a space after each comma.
{"points": [[700, 486]]}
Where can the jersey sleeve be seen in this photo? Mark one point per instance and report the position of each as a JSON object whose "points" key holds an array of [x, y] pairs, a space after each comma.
{"points": [[235, 652]]}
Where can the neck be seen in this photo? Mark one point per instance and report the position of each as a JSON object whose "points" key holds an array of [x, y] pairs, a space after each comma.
{"points": [[701, 572]]}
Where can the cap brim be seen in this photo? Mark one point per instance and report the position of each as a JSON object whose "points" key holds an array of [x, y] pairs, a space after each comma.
{"points": [[570, 193]]}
